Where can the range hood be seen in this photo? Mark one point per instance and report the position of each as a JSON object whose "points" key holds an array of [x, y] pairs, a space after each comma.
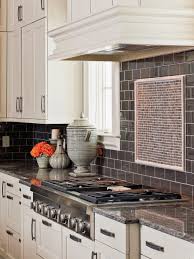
{"points": [[124, 33]]}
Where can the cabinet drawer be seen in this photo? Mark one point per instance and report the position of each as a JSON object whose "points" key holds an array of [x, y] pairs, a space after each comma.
{"points": [[13, 244], [26, 195], [156, 244], [106, 252], [112, 233], [12, 185]]}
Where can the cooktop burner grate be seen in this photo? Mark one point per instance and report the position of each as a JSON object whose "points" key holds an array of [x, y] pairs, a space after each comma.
{"points": [[112, 197]]}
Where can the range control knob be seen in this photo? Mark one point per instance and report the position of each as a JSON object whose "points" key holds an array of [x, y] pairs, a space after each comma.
{"points": [[33, 205], [72, 223], [45, 209], [65, 219], [53, 213]]}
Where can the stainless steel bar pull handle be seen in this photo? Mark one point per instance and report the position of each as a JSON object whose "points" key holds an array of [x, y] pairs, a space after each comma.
{"points": [[3, 190], [17, 104], [20, 13], [43, 109], [9, 233], [74, 238], [33, 226], [43, 4], [10, 185], [107, 233], [46, 223], [26, 197], [154, 246], [21, 104]]}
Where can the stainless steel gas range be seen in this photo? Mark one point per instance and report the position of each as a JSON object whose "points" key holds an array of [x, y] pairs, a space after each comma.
{"points": [[70, 202]]}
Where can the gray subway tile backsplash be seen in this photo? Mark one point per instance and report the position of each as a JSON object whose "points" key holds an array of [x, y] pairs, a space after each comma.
{"points": [[126, 168]]}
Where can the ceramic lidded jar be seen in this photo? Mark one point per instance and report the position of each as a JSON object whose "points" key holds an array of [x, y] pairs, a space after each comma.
{"points": [[59, 160], [81, 145]]}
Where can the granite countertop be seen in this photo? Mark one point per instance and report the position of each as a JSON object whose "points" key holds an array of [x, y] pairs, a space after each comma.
{"points": [[26, 171], [176, 219]]}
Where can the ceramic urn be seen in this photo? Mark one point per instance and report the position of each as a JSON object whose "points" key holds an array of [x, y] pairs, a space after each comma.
{"points": [[81, 145]]}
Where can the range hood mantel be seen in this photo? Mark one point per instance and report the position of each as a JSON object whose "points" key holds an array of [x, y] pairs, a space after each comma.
{"points": [[123, 33]]}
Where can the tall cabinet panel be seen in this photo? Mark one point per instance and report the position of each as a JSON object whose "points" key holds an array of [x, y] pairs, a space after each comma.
{"points": [[14, 75], [3, 62], [3, 15], [3, 210], [34, 67]]}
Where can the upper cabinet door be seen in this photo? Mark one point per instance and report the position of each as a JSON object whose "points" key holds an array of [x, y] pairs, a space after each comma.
{"points": [[3, 15], [3, 65], [39, 9], [100, 5], [80, 9], [14, 83], [17, 16], [34, 70], [24, 12]]}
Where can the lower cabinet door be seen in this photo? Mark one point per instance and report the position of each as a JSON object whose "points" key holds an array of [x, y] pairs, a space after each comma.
{"points": [[28, 234], [14, 212], [49, 239], [106, 252], [78, 246], [13, 244]]}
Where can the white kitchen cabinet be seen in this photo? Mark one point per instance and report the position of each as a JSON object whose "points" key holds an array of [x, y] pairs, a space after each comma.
{"points": [[24, 12], [14, 75], [49, 238], [100, 5], [34, 70], [75, 245], [13, 244], [158, 245], [121, 237], [3, 216], [105, 252], [3, 65], [3, 15], [80, 9], [65, 90], [28, 234]]}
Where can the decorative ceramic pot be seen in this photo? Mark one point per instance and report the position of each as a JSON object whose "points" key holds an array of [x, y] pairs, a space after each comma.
{"points": [[59, 160], [43, 161], [81, 145]]}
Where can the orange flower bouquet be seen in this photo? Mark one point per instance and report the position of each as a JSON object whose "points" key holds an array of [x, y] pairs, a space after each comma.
{"points": [[42, 152]]}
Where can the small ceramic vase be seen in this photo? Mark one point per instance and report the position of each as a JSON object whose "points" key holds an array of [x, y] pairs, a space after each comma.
{"points": [[59, 160], [43, 162]]}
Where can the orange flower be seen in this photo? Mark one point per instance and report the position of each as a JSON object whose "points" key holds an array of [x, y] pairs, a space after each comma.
{"points": [[42, 148]]}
